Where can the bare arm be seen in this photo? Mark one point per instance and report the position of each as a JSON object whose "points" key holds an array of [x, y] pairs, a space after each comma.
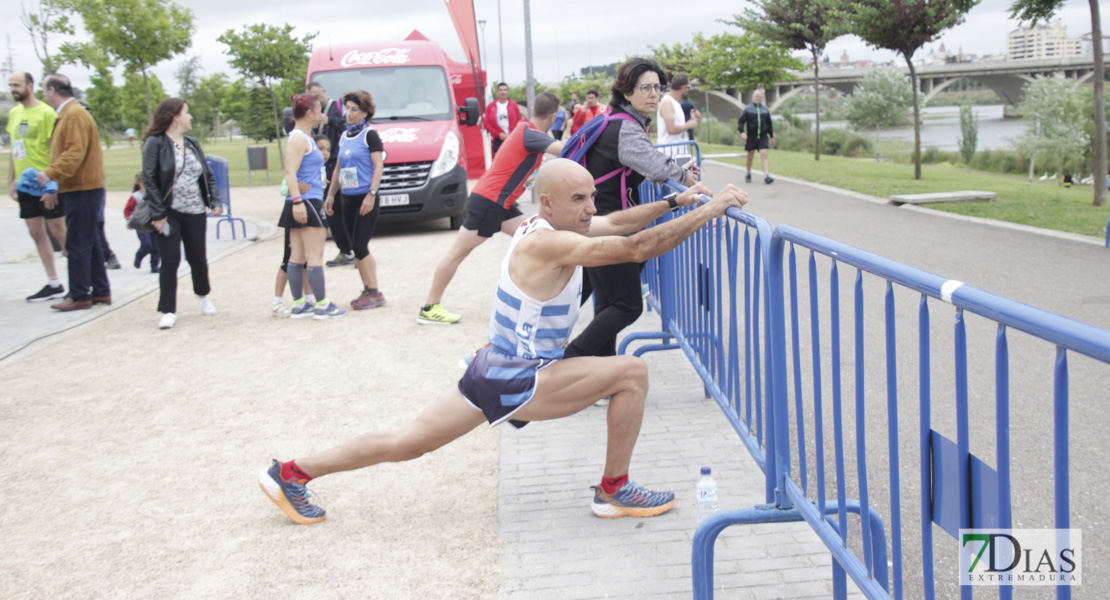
{"points": [[666, 113], [568, 248], [554, 149], [633, 219]]}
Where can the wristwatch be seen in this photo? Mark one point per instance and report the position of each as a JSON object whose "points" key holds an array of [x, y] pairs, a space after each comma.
{"points": [[672, 200]]}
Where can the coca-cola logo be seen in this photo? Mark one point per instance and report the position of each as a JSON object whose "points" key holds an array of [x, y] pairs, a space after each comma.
{"points": [[401, 135], [385, 56], [456, 78]]}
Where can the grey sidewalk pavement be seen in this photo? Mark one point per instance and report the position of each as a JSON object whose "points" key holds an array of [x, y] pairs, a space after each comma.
{"points": [[556, 549], [26, 326]]}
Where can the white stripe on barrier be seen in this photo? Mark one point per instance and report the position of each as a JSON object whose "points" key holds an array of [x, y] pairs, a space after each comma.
{"points": [[948, 289]]}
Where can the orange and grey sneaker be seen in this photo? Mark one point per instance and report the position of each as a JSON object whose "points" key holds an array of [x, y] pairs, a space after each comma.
{"points": [[290, 496], [631, 500]]}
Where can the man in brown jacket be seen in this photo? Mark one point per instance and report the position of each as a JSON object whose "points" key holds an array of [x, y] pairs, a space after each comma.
{"points": [[77, 165]]}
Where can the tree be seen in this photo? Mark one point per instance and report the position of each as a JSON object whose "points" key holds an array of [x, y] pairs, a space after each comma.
{"points": [[267, 54], [50, 21], [102, 96], [745, 62], [969, 134], [905, 26], [598, 81], [1054, 126], [205, 102], [104, 102], [739, 62], [883, 98], [1037, 10], [139, 33], [187, 74], [800, 25], [133, 94]]}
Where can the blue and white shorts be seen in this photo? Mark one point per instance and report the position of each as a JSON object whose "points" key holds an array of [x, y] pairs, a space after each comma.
{"points": [[499, 385]]}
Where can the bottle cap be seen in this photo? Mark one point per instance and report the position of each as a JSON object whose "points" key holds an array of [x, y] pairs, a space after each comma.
{"points": [[706, 470]]}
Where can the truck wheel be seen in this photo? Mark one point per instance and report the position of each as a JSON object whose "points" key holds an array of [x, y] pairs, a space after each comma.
{"points": [[456, 222]]}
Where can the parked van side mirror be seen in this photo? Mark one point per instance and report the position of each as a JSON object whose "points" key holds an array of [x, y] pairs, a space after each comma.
{"points": [[468, 114]]}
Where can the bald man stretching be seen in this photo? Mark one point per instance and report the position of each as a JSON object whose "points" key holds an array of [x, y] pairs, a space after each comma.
{"points": [[538, 292]]}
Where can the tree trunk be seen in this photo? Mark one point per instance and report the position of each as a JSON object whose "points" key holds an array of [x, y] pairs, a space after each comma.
{"points": [[1032, 164], [877, 152], [277, 124], [817, 121], [1099, 107], [916, 122], [146, 85]]}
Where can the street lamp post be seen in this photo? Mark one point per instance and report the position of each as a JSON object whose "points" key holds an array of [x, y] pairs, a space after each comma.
{"points": [[482, 59], [500, 41]]}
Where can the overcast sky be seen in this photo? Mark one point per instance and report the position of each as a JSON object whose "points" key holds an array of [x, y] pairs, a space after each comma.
{"points": [[566, 35]]}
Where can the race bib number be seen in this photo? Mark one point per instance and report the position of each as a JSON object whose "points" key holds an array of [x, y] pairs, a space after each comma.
{"points": [[19, 151], [348, 178], [324, 177]]}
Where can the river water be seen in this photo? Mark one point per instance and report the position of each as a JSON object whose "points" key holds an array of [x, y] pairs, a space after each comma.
{"points": [[940, 128]]}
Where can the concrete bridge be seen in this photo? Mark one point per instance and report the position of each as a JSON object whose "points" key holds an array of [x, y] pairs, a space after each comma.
{"points": [[1005, 78]]}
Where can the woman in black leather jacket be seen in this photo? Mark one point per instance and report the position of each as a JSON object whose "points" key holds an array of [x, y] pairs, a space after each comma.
{"points": [[180, 189]]}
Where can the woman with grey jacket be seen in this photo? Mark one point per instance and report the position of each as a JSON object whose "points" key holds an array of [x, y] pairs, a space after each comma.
{"points": [[621, 158], [180, 189]]}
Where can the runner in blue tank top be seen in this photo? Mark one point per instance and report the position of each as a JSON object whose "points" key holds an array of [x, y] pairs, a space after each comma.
{"points": [[357, 175], [536, 297], [303, 214]]}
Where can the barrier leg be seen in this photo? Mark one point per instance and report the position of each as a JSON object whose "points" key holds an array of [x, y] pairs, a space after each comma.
{"points": [[706, 536], [647, 335]]}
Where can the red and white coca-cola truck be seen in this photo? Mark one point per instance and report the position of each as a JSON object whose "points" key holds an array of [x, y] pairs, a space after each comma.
{"points": [[426, 112]]}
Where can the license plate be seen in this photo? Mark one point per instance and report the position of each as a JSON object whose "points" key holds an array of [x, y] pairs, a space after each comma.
{"points": [[394, 200]]}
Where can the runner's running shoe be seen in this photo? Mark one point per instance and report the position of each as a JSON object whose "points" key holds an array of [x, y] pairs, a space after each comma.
{"points": [[302, 310], [367, 300], [291, 497], [437, 315], [632, 500], [331, 311]]}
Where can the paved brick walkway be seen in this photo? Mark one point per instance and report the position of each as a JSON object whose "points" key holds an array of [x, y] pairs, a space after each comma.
{"points": [[555, 548]]}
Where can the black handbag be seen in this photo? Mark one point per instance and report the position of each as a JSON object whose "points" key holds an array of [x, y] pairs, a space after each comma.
{"points": [[141, 217]]}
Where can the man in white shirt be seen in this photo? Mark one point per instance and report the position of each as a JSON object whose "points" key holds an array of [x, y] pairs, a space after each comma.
{"points": [[502, 115], [671, 124]]}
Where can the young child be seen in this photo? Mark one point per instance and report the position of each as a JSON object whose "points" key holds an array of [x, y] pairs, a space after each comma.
{"points": [[279, 309], [146, 242]]}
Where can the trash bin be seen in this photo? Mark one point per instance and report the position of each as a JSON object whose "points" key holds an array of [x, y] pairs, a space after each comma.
{"points": [[257, 158]]}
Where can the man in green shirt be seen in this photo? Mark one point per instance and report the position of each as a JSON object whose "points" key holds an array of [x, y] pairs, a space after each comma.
{"points": [[31, 125]]}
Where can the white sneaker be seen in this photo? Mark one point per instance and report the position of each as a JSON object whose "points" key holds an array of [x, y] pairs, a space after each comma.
{"points": [[206, 307], [281, 311], [167, 321]]}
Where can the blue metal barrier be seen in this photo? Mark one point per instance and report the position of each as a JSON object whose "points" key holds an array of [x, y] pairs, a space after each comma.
{"points": [[696, 291], [223, 182], [957, 489]]}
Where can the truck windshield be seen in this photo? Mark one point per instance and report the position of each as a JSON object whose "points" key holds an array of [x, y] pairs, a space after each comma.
{"points": [[399, 93]]}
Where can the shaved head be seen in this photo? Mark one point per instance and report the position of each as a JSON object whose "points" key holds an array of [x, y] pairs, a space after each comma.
{"points": [[566, 193], [555, 173]]}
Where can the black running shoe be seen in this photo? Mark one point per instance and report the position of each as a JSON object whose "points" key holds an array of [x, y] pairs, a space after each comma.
{"points": [[48, 292], [748, 178], [767, 179]]}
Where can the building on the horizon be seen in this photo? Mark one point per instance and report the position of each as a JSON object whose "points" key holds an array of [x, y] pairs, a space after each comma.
{"points": [[1048, 40], [1088, 49]]}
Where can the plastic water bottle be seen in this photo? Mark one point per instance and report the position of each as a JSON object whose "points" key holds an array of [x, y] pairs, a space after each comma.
{"points": [[706, 494]]}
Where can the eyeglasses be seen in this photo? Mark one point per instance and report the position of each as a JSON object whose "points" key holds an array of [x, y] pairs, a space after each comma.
{"points": [[650, 88]]}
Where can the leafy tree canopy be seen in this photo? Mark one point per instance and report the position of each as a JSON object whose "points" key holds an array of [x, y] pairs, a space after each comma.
{"points": [[727, 60], [268, 54], [138, 33]]}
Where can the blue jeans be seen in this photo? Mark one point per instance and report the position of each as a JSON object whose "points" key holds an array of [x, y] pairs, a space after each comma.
{"points": [[87, 274]]}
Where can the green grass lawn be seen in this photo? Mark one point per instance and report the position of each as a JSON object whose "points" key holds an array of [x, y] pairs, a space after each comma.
{"points": [[123, 162], [1040, 204]]}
